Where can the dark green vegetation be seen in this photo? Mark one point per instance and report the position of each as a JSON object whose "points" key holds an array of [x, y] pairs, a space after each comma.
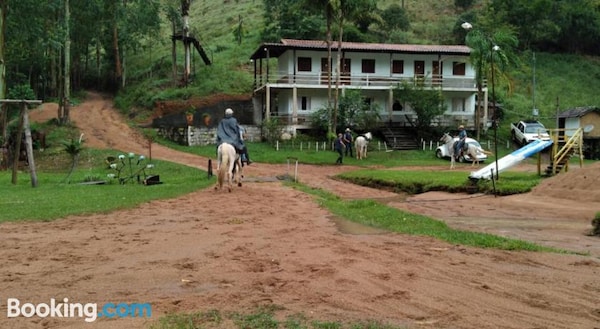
{"points": [[596, 224]]}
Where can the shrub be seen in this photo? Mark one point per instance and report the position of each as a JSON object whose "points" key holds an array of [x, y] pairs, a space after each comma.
{"points": [[596, 224]]}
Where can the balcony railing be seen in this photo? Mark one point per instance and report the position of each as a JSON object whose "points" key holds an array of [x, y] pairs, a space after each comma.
{"points": [[318, 80]]}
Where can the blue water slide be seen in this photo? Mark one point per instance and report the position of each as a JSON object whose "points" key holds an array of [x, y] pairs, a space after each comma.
{"points": [[511, 159]]}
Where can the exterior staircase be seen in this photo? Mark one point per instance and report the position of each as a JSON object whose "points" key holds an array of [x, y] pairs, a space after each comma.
{"points": [[570, 147], [400, 138]]}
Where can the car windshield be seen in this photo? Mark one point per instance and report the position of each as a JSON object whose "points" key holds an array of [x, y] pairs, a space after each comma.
{"points": [[535, 128]]}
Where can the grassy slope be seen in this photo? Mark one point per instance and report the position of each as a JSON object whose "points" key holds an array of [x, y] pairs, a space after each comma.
{"points": [[573, 80]]}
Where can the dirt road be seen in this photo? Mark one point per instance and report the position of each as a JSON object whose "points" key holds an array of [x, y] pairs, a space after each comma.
{"points": [[268, 244]]}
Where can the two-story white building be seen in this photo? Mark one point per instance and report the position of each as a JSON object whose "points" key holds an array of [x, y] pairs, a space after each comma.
{"points": [[291, 82]]}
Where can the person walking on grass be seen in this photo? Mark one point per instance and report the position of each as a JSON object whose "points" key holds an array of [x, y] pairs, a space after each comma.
{"points": [[339, 147], [348, 141]]}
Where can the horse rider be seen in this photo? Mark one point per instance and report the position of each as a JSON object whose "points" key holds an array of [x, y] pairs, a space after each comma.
{"points": [[228, 131], [462, 136]]}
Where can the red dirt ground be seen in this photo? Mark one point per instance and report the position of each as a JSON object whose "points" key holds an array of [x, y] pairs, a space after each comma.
{"points": [[269, 244]]}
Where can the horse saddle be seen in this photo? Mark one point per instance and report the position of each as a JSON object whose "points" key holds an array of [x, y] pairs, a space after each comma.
{"points": [[464, 147]]}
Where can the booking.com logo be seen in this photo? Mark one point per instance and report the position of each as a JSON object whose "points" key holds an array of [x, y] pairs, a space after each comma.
{"points": [[65, 309]]}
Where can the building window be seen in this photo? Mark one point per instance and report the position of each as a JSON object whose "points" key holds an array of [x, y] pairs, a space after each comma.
{"points": [[304, 103], [368, 66], [398, 67], [304, 64], [458, 68], [458, 105]]}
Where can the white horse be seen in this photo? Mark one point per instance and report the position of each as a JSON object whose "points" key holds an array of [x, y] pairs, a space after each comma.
{"points": [[471, 150], [228, 166], [360, 145]]}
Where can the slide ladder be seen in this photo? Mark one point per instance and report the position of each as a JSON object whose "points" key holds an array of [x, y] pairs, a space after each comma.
{"points": [[571, 146]]}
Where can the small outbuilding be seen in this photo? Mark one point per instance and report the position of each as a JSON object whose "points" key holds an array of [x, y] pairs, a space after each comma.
{"points": [[588, 119]]}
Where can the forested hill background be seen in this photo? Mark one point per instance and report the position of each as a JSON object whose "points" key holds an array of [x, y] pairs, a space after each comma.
{"points": [[125, 46]]}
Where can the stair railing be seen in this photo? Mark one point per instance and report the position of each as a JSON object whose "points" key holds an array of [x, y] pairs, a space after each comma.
{"points": [[563, 155]]}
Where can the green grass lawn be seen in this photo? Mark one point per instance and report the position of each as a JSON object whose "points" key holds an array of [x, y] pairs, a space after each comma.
{"points": [[56, 198]]}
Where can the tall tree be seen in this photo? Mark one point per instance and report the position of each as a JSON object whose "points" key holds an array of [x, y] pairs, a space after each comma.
{"points": [[326, 7], [66, 96], [497, 48], [343, 10], [3, 110]]}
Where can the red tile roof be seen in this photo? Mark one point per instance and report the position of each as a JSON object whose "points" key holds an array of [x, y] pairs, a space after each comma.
{"points": [[378, 47], [276, 49]]}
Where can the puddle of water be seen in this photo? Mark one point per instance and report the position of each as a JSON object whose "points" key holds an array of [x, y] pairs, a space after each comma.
{"points": [[350, 227]]}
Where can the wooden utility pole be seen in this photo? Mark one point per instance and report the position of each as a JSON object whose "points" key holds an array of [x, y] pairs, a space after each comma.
{"points": [[3, 109], [23, 126], [185, 8]]}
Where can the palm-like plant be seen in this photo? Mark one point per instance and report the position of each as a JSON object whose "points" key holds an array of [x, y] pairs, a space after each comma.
{"points": [[491, 54], [73, 148]]}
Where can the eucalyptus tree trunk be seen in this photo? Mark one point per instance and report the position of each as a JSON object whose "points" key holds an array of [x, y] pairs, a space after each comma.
{"points": [[67, 74], [338, 66], [174, 52], [3, 109], [185, 8], [329, 13]]}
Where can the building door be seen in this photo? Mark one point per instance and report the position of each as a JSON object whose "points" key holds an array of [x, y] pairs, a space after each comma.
{"points": [[324, 71], [419, 72], [346, 71], [438, 68]]}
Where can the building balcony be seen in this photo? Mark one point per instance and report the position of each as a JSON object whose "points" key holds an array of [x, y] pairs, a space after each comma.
{"points": [[363, 81]]}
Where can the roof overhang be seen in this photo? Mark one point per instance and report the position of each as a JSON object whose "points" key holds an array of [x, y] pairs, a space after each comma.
{"points": [[578, 112], [270, 50]]}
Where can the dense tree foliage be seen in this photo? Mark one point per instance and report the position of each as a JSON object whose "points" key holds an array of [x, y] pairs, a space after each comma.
{"points": [[426, 102], [548, 25], [35, 35]]}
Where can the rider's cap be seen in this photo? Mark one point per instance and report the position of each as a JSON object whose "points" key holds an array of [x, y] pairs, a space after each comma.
{"points": [[461, 127], [229, 112], [347, 129]]}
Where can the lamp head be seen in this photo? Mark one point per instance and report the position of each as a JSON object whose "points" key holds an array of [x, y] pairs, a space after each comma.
{"points": [[466, 26], [496, 48]]}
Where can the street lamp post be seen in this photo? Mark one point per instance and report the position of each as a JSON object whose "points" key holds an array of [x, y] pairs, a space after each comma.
{"points": [[494, 48]]}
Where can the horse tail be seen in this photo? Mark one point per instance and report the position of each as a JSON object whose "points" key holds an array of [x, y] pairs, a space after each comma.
{"points": [[224, 165]]}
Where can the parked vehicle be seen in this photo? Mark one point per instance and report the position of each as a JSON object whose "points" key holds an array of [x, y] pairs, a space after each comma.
{"points": [[525, 132], [442, 151]]}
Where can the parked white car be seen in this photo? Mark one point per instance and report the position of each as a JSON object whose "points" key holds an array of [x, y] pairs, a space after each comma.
{"points": [[442, 151]]}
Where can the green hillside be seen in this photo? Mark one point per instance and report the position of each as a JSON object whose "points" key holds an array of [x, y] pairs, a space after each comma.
{"points": [[562, 81]]}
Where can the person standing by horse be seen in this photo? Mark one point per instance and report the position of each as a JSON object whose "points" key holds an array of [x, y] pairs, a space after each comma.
{"points": [[348, 141], [462, 136], [228, 131], [245, 156], [339, 147]]}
